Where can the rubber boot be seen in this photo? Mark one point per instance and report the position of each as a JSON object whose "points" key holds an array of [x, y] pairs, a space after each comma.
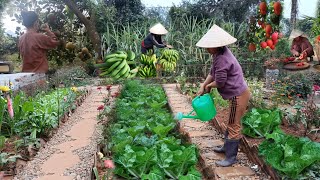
{"points": [[231, 153], [222, 149]]}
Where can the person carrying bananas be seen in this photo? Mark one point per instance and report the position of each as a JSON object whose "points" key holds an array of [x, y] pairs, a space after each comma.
{"points": [[226, 75], [301, 47], [33, 45], [154, 39]]}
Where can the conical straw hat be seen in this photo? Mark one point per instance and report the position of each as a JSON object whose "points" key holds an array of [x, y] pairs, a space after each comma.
{"points": [[296, 33], [158, 29], [216, 37]]}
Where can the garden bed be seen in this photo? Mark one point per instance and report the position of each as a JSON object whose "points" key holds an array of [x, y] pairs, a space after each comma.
{"points": [[24, 147], [141, 139], [250, 145]]}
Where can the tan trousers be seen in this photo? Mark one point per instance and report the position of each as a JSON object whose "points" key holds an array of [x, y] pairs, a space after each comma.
{"points": [[238, 106]]}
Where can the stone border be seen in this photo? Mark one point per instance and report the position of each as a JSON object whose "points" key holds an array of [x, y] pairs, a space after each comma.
{"points": [[79, 100], [251, 151]]}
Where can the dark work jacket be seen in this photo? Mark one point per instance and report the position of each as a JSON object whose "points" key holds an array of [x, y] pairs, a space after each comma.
{"points": [[150, 41]]}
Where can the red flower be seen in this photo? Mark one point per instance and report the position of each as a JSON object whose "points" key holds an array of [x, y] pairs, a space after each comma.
{"points": [[100, 107], [299, 95], [109, 164], [99, 88], [109, 87], [316, 88]]}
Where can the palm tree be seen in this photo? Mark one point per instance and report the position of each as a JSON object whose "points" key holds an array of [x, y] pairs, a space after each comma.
{"points": [[294, 13]]}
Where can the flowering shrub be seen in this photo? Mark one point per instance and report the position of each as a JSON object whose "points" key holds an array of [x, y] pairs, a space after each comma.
{"points": [[294, 86], [272, 62]]}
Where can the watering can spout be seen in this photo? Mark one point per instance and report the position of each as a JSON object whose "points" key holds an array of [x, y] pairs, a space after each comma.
{"points": [[179, 116]]}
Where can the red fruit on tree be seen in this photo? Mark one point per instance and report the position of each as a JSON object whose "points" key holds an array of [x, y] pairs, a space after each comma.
{"points": [[275, 42], [252, 47], [277, 8], [263, 12], [268, 28], [263, 8], [274, 36], [263, 44], [260, 22], [269, 43], [267, 35], [272, 47], [263, 25]]}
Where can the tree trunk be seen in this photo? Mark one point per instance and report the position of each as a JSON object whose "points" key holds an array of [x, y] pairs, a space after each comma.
{"points": [[90, 26], [294, 13]]}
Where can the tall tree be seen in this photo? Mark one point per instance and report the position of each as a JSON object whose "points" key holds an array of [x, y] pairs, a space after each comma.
{"points": [[83, 10], [128, 11], [294, 13], [232, 10], [90, 24]]}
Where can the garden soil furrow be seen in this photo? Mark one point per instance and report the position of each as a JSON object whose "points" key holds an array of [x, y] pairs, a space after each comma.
{"points": [[69, 153], [205, 136]]}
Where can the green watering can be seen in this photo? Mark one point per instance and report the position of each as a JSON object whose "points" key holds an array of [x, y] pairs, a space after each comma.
{"points": [[204, 108]]}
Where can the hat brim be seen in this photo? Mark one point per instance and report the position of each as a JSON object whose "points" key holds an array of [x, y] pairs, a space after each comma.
{"points": [[158, 29], [216, 37]]}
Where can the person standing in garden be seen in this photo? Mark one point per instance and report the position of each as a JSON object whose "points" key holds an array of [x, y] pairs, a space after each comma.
{"points": [[33, 45], [226, 75], [154, 39], [301, 47]]}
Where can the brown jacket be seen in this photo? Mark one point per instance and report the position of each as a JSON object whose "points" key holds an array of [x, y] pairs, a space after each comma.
{"points": [[33, 48], [302, 45]]}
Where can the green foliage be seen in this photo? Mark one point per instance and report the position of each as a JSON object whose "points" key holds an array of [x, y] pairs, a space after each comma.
{"points": [[142, 139], [259, 122], [287, 154], [283, 48], [205, 9], [72, 76], [218, 100], [316, 21], [35, 116], [6, 158], [257, 93], [127, 11], [292, 86]]}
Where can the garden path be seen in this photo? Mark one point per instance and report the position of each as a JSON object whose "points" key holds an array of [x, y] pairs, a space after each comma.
{"points": [[204, 135], [69, 153]]}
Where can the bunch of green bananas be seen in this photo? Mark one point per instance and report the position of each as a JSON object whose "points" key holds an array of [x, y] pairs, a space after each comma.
{"points": [[147, 71], [148, 59], [168, 59], [116, 65], [168, 66]]}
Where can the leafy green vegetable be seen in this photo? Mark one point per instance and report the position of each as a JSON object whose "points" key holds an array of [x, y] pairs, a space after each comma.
{"points": [[141, 138], [154, 174], [193, 174], [259, 122], [289, 155]]}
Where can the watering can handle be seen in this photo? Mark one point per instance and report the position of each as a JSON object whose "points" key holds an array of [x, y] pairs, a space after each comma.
{"points": [[190, 112]]}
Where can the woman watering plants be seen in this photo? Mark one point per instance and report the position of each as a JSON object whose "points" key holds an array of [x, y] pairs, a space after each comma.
{"points": [[301, 47], [226, 75], [33, 46], [154, 39]]}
